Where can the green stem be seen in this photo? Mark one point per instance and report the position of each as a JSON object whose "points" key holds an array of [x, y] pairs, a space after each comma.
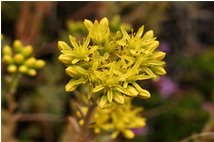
{"points": [[11, 92], [83, 133]]}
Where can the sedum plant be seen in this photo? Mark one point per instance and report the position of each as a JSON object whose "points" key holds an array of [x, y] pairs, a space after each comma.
{"points": [[18, 61], [109, 64]]}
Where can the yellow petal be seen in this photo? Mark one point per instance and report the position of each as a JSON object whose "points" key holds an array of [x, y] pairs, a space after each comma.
{"points": [[103, 101], [132, 91], [63, 46], [118, 97], [140, 32], [73, 41], [142, 92], [98, 88], [88, 24], [104, 22], [110, 95], [158, 55], [148, 35]]}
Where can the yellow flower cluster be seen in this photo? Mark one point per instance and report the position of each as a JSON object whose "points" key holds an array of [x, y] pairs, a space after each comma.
{"points": [[19, 59], [116, 119], [111, 63]]}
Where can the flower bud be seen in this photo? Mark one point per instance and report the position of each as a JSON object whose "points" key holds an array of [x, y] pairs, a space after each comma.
{"points": [[39, 63], [128, 134], [23, 69], [158, 55], [27, 50], [132, 91], [18, 58], [81, 122], [65, 59], [11, 68], [7, 50], [31, 72], [148, 35], [7, 59], [159, 70], [17, 45], [30, 62]]}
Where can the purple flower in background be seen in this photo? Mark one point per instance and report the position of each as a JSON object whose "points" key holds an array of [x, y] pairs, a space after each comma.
{"points": [[140, 131], [166, 87], [208, 106], [164, 46]]}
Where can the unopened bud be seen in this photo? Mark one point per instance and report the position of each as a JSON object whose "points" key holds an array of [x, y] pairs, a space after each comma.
{"points": [[7, 50], [7, 59], [23, 69], [18, 58], [30, 62], [11, 68], [39, 64], [27, 50], [31, 72], [17, 45]]}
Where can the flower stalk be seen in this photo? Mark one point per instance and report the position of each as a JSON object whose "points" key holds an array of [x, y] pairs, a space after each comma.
{"points": [[83, 135]]}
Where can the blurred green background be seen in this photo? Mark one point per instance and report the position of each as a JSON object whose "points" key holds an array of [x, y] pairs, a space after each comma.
{"points": [[182, 102]]}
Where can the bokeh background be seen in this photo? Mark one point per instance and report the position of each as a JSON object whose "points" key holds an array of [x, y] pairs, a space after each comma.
{"points": [[182, 102]]}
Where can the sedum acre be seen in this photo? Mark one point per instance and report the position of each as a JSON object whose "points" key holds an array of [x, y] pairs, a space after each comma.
{"points": [[110, 64], [19, 59]]}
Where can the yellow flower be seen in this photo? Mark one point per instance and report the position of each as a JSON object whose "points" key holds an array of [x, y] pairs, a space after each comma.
{"points": [[98, 31], [118, 119], [112, 64]]}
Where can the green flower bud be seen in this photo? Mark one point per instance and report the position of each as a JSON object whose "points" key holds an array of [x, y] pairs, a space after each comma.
{"points": [[27, 50], [17, 45], [18, 58], [31, 72], [7, 50], [7, 59], [11, 68], [23, 69], [30, 62], [39, 64]]}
